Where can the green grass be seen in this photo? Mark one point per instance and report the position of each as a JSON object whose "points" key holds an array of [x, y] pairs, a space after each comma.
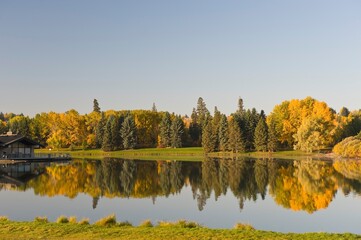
{"points": [[184, 154], [179, 230]]}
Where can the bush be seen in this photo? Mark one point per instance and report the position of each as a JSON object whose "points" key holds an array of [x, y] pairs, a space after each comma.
{"points": [[124, 224], [84, 221], [62, 219], [180, 223], [4, 219], [107, 221], [72, 219], [243, 226], [146, 223], [41, 219]]}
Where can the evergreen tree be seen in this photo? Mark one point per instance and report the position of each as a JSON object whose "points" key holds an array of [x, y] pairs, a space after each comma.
{"points": [[261, 135], [165, 131], [154, 108], [208, 138], [194, 129], [96, 107], [128, 132], [177, 129], [236, 143], [202, 111], [99, 131], [272, 144], [223, 134], [107, 144], [240, 109], [215, 125], [115, 130]]}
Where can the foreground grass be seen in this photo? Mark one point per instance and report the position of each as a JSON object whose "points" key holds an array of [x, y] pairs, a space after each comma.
{"points": [[179, 230], [190, 154]]}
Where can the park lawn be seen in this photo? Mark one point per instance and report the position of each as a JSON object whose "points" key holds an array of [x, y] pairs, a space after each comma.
{"points": [[39, 230], [185, 154]]}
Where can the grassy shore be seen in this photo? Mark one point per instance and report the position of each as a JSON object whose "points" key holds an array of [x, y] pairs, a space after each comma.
{"points": [[190, 154], [112, 230]]}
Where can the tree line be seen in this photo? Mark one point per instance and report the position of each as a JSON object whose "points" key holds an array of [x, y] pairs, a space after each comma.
{"points": [[305, 124]]}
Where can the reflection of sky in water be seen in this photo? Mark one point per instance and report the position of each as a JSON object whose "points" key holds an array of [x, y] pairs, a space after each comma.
{"points": [[342, 215]]}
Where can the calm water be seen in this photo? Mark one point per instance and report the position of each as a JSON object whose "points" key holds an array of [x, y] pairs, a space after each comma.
{"points": [[270, 194]]}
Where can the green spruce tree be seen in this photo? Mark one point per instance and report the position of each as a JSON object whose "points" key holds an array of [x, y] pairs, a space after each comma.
{"points": [[272, 144], [235, 141], [165, 131], [223, 134], [177, 130], [261, 135], [99, 131], [107, 144], [115, 130], [208, 138], [128, 132], [96, 107]]}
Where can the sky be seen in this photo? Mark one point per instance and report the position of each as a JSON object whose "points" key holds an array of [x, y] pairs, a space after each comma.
{"points": [[60, 55]]}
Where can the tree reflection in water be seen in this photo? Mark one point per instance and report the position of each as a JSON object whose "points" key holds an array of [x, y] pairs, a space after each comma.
{"points": [[306, 185]]}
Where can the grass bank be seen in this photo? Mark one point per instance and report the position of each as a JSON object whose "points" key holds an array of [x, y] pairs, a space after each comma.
{"points": [[185, 154], [39, 229]]}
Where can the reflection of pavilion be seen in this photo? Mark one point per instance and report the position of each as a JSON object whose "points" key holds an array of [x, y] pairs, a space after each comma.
{"points": [[18, 174]]}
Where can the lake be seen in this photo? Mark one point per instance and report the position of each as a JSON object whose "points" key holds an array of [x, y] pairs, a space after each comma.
{"points": [[270, 194]]}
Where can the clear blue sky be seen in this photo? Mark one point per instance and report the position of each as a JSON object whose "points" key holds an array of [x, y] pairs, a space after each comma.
{"points": [[59, 55]]}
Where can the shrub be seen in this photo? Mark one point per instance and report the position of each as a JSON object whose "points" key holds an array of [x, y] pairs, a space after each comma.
{"points": [[107, 221], [84, 221], [62, 219], [4, 219], [243, 226], [146, 223], [41, 219], [72, 219], [124, 224], [180, 223]]}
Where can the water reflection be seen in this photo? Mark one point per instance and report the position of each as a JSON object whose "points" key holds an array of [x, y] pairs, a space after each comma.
{"points": [[306, 185]]}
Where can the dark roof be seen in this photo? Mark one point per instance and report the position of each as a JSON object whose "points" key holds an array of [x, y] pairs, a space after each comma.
{"points": [[6, 140]]}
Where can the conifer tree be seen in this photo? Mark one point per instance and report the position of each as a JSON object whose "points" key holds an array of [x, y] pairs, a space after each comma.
{"points": [[99, 131], [236, 143], [128, 132], [202, 111], [96, 107], [215, 126], [177, 129], [165, 131], [115, 130], [208, 138], [107, 144], [272, 144], [261, 135], [223, 134], [194, 129]]}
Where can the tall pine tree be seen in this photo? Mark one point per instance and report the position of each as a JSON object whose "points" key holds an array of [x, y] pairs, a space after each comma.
{"points": [[96, 107], [235, 141], [165, 131], [177, 129], [107, 144], [261, 135], [223, 134], [208, 137], [128, 132]]}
